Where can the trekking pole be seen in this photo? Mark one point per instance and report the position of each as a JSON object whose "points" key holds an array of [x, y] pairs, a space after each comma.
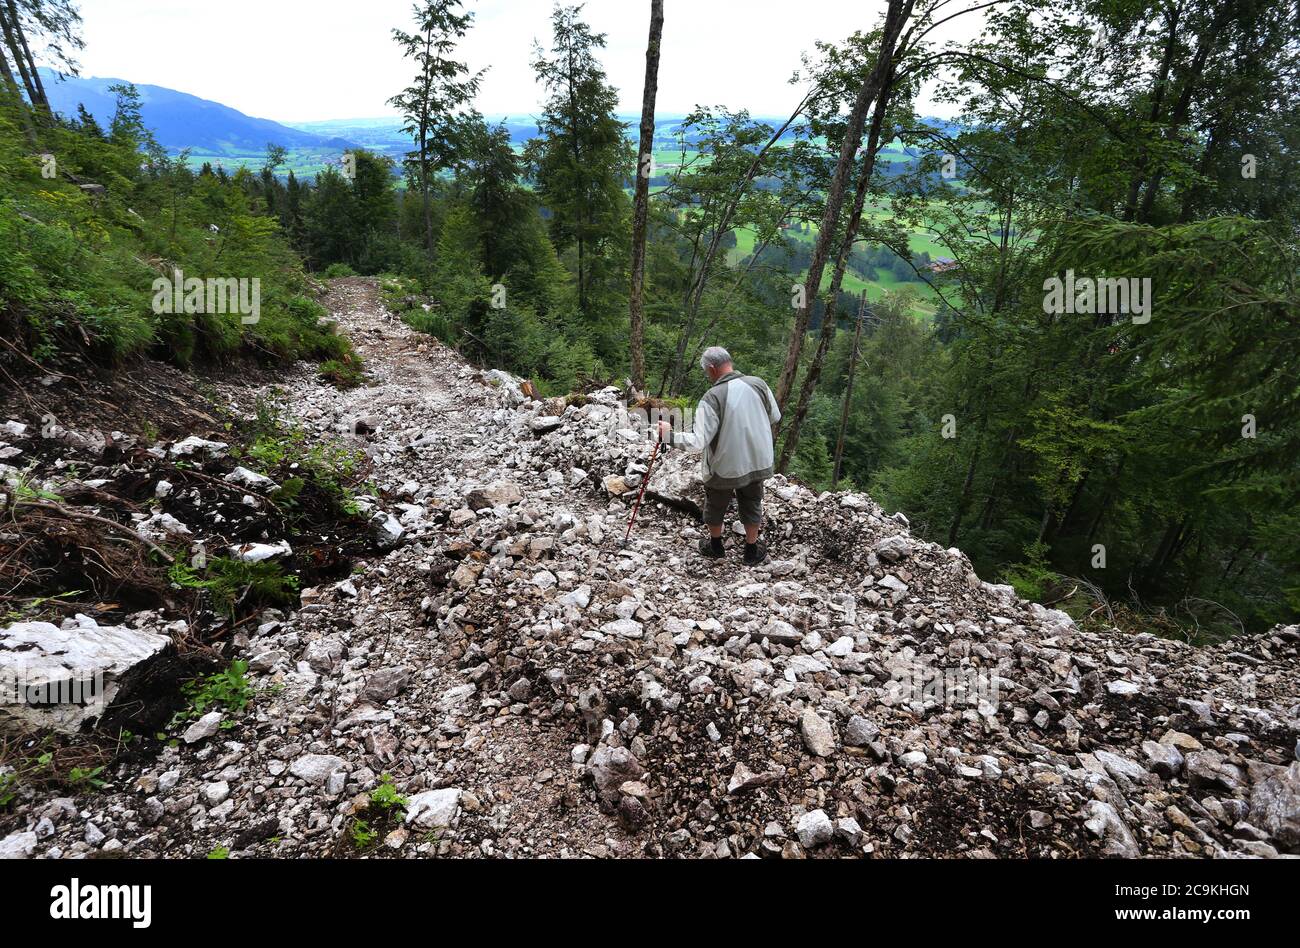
{"points": [[644, 483]]}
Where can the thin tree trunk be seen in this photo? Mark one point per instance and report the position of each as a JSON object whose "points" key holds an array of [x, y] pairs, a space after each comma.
{"points": [[425, 183], [990, 503], [1107, 497], [897, 15], [701, 278], [10, 26], [641, 211], [740, 280], [1160, 559], [830, 311], [42, 100], [954, 529], [848, 394], [1063, 526], [580, 237], [6, 73], [1232, 560], [1157, 99], [12, 86], [426, 198], [1181, 108]]}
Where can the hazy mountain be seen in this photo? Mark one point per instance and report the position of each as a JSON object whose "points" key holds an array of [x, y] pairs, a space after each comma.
{"points": [[180, 120]]}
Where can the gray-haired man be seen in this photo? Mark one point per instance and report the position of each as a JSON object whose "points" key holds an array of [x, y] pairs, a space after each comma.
{"points": [[733, 433]]}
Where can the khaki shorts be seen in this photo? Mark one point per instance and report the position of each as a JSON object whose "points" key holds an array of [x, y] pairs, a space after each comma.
{"points": [[750, 499]]}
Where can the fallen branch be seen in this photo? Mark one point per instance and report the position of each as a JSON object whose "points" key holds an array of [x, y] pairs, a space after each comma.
{"points": [[102, 521]]}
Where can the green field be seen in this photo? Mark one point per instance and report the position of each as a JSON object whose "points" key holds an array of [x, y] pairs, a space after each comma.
{"points": [[921, 240], [305, 163]]}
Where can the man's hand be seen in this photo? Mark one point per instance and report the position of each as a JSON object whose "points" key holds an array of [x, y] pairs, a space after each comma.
{"points": [[665, 431]]}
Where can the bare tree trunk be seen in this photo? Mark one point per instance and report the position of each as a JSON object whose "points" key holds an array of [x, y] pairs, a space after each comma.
{"points": [[641, 211], [425, 196], [1107, 499], [1062, 528], [6, 73], [1181, 107], [1164, 554], [895, 18], [425, 184], [990, 502], [1232, 560], [731, 292], [848, 394]]}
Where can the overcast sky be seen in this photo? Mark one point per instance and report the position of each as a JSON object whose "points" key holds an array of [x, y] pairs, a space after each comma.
{"points": [[305, 60]]}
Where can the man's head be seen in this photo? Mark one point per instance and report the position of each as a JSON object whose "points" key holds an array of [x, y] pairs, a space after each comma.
{"points": [[716, 363]]}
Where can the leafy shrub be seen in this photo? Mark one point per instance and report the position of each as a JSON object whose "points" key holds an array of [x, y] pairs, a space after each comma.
{"points": [[229, 690], [340, 373], [233, 583], [386, 797], [1034, 577], [77, 272]]}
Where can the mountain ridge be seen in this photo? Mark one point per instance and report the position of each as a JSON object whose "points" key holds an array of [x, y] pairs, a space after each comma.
{"points": [[181, 120]]}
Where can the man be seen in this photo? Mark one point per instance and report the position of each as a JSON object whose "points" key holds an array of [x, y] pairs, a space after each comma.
{"points": [[733, 433]]}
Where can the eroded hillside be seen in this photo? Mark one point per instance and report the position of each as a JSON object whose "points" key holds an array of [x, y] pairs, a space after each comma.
{"points": [[474, 666]]}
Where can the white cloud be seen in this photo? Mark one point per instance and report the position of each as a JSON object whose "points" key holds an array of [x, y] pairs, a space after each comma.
{"points": [[293, 60]]}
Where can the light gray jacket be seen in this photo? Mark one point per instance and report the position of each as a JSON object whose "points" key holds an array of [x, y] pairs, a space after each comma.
{"points": [[733, 432]]}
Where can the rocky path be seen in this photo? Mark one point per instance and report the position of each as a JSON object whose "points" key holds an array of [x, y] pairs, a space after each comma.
{"points": [[533, 690]]}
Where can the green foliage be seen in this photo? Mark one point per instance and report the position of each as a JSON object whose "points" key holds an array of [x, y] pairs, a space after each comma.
{"points": [[581, 159], [341, 374], [363, 836], [462, 292], [228, 690], [1070, 431], [385, 796], [1126, 448], [41, 764], [221, 852], [1032, 578], [289, 455], [86, 777], [234, 585], [80, 270], [8, 788]]}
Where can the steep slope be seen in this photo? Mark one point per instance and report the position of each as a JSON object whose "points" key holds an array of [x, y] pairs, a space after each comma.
{"points": [[533, 689]]}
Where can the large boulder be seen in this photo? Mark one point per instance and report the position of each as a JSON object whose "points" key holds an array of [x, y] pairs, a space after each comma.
{"points": [[1275, 801], [65, 676]]}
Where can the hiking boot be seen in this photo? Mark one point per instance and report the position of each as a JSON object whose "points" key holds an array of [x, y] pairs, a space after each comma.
{"points": [[756, 555], [708, 551]]}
